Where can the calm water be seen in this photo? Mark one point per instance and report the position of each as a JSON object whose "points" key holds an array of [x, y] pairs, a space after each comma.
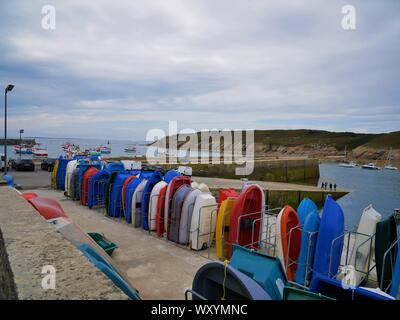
{"points": [[53, 146], [381, 188], [54, 149]]}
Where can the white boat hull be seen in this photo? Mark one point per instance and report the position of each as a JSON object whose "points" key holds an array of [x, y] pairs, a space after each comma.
{"points": [[363, 250], [347, 165], [136, 202], [204, 218], [153, 204]]}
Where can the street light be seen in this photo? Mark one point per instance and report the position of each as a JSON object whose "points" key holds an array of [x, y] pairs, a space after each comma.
{"points": [[21, 131], [8, 88]]}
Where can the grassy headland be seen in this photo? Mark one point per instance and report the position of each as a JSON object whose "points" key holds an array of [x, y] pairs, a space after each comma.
{"points": [[321, 144]]}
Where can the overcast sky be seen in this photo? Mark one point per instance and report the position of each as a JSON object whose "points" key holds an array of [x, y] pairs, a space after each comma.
{"points": [[115, 69]]}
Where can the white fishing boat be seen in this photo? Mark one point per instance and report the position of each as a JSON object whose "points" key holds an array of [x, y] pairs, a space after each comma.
{"points": [[40, 153], [370, 166], [350, 164], [130, 149], [345, 163], [388, 165]]}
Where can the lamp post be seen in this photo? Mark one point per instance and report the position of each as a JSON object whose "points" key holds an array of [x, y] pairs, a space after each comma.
{"points": [[8, 88], [21, 131]]}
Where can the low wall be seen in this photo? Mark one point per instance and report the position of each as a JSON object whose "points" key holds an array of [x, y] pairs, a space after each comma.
{"points": [[28, 243], [288, 170], [280, 198]]}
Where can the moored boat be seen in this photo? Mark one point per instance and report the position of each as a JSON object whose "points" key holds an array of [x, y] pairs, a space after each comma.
{"points": [[22, 149], [40, 153], [388, 165], [350, 164], [370, 166], [346, 163], [105, 150], [130, 149]]}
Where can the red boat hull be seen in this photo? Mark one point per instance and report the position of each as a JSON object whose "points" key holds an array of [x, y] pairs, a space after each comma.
{"points": [[85, 184], [289, 222], [125, 184], [47, 208], [160, 211], [245, 221]]}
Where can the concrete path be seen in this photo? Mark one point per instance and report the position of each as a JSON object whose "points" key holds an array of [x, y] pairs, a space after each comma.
{"points": [[156, 267], [218, 183]]}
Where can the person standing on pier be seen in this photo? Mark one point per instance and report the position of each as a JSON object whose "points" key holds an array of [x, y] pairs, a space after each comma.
{"points": [[334, 187], [330, 186]]}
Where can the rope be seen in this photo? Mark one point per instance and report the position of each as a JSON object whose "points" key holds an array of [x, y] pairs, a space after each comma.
{"points": [[226, 262]]}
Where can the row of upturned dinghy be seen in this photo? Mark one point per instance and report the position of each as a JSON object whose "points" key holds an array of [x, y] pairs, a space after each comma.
{"points": [[304, 258], [170, 204], [308, 246]]}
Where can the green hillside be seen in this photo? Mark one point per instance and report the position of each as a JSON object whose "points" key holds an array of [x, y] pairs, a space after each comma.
{"points": [[338, 140]]}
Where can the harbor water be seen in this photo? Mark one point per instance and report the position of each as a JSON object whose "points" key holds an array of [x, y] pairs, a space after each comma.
{"points": [[381, 188]]}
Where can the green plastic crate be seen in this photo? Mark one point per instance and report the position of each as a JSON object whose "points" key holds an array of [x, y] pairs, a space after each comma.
{"points": [[103, 242]]}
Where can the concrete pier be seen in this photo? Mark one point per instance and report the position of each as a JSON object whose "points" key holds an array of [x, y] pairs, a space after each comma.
{"points": [[156, 267], [277, 194], [28, 243]]}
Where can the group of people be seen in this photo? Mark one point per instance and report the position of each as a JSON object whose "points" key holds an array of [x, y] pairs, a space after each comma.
{"points": [[331, 186]]}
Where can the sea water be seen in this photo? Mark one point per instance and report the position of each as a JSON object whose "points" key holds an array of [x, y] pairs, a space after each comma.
{"points": [[381, 188]]}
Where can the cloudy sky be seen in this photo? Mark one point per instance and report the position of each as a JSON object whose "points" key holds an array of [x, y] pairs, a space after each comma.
{"points": [[115, 69]]}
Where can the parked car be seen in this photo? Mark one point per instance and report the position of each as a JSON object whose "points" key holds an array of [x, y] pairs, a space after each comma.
{"points": [[2, 157], [23, 165], [48, 164]]}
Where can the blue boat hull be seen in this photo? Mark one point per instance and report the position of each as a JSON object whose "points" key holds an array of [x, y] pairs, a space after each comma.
{"points": [[334, 289], [92, 255], [330, 240], [152, 181], [305, 207], [97, 188], [309, 238]]}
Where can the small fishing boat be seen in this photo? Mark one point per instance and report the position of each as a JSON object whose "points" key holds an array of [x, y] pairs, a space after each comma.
{"points": [[40, 153], [130, 149], [105, 150], [370, 166], [346, 163], [388, 165], [350, 164], [22, 149]]}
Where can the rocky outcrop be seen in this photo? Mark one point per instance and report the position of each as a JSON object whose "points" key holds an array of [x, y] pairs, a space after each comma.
{"points": [[365, 153]]}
